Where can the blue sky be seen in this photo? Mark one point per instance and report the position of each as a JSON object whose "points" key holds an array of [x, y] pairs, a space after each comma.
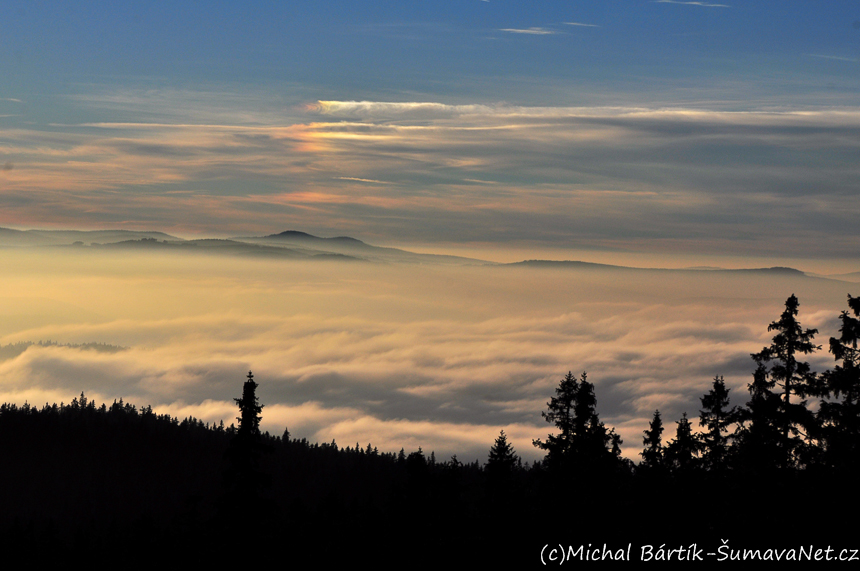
{"points": [[665, 123], [432, 47]]}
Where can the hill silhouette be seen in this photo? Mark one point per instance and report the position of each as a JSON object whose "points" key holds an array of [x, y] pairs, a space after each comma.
{"points": [[299, 245], [18, 238]]}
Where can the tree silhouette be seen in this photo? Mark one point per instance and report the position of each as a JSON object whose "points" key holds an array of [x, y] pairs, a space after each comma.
{"points": [[681, 455], [250, 409], [502, 458], [794, 377], [842, 417], [716, 416], [560, 413], [501, 465], [652, 453], [583, 442], [761, 446], [244, 480]]}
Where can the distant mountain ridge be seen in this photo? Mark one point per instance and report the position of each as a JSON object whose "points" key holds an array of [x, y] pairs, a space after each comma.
{"points": [[296, 244], [348, 246], [849, 277], [220, 246], [298, 235], [592, 265], [11, 237]]}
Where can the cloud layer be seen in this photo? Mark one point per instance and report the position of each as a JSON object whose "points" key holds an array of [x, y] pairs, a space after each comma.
{"points": [[767, 183], [438, 357]]}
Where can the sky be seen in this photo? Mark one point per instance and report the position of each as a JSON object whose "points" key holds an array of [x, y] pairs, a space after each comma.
{"points": [[652, 133], [656, 127]]}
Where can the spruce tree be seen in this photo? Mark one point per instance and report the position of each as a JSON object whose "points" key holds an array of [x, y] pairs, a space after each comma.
{"points": [[560, 412], [501, 465], [250, 409], [760, 445], [793, 377], [652, 453], [716, 417], [681, 455], [243, 478], [583, 441], [502, 458], [842, 417]]}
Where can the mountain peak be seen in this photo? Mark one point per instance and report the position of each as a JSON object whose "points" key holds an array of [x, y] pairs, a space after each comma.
{"points": [[293, 234], [297, 235]]}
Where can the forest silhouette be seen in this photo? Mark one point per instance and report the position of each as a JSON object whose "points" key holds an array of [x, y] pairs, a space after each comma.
{"points": [[777, 470]]}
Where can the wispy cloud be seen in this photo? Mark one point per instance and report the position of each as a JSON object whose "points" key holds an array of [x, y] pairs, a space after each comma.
{"points": [[534, 31], [705, 4], [657, 179], [581, 24], [370, 180], [368, 109], [836, 58]]}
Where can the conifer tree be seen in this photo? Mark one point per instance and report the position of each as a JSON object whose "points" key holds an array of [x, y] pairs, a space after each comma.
{"points": [[502, 458], [792, 376], [681, 455], [250, 408], [561, 414], [243, 478], [716, 416], [652, 453], [583, 441], [842, 417], [501, 481], [760, 444]]}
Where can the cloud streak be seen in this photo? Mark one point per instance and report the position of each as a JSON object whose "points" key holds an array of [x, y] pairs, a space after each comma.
{"points": [[534, 31], [835, 58], [765, 183], [703, 4]]}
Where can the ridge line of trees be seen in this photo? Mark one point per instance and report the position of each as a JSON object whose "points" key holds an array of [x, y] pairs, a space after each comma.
{"points": [[777, 429]]}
